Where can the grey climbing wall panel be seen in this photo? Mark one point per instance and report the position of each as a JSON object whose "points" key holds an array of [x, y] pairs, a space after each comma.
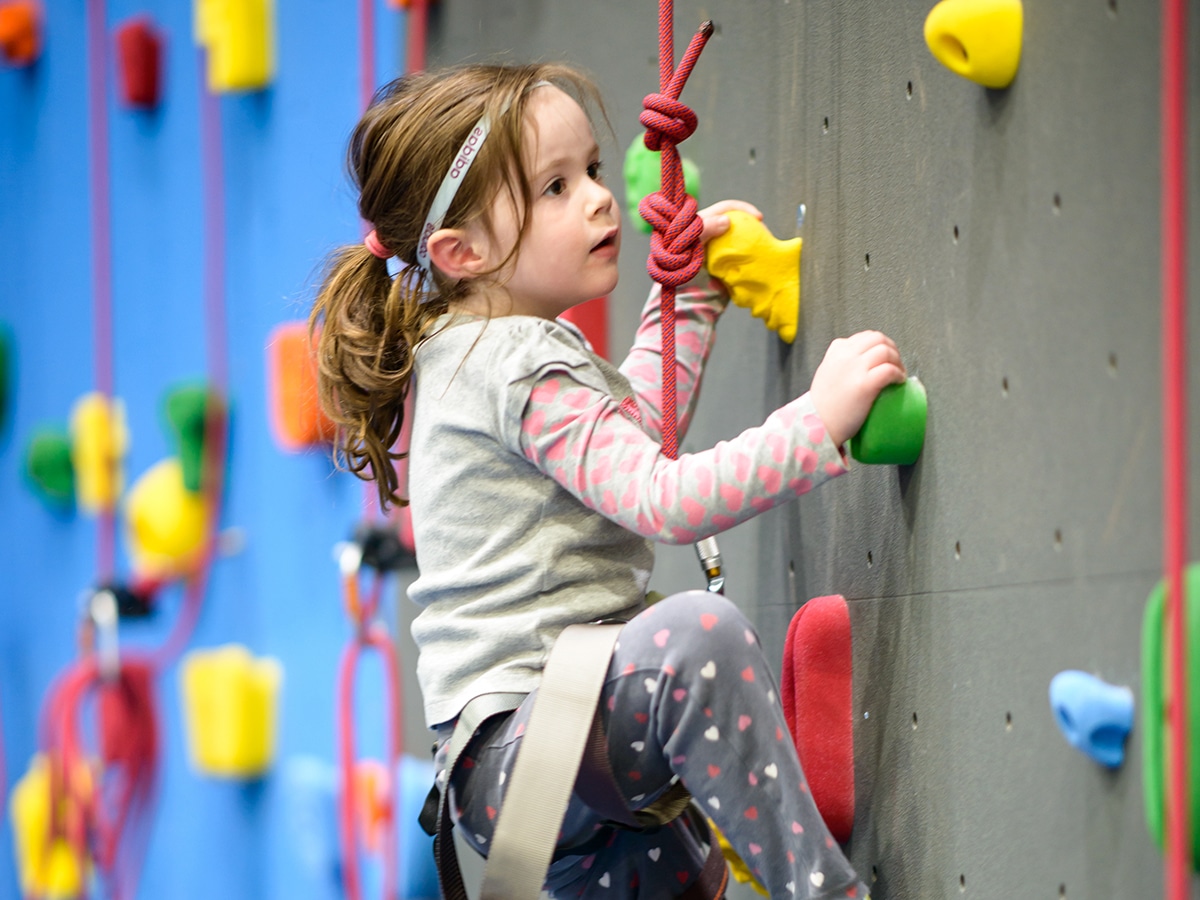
{"points": [[1008, 241]]}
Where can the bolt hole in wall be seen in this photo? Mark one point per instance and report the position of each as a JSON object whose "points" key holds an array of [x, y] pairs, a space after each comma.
{"points": [[753, 158], [1058, 540], [1004, 386], [1112, 8], [1062, 890], [958, 550], [908, 91], [866, 262], [825, 125], [914, 721], [1057, 203], [962, 883], [956, 234], [1008, 721], [870, 559], [1112, 364]]}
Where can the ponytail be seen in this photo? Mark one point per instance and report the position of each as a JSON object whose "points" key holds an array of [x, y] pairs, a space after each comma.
{"points": [[366, 325]]}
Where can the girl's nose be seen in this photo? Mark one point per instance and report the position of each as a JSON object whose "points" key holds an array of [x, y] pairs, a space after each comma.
{"points": [[601, 200]]}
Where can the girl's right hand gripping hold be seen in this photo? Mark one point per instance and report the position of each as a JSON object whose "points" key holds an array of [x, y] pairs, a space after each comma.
{"points": [[850, 377]]}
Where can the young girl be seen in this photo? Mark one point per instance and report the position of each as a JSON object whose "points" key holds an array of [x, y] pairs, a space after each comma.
{"points": [[537, 480]]}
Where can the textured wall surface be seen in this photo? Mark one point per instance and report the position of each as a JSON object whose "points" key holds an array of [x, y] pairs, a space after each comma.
{"points": [[1008, 241]]}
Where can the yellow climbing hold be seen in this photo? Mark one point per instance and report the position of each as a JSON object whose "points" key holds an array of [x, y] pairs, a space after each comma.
{"points": [[229, 700], [761, 272], [51, 872], [977, 39], [98, 444], [165, 522], [240, 38]]}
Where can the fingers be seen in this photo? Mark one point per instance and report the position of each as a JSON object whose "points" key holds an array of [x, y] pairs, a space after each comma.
{"points": [[716, 220], [881, 376], [884, 354], [725, 206], [864, 340]]}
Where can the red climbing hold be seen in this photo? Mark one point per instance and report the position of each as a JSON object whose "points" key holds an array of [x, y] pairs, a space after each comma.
{"points": [[139, 62], [818, 706]]}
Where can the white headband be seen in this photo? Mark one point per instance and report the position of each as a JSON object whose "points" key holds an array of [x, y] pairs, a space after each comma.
{"points": [[454, 178]]}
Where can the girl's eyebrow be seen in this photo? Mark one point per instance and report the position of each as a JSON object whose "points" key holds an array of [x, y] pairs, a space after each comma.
{"points": [[563, 159]]}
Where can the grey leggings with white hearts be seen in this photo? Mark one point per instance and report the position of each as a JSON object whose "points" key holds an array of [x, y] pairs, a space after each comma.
{"points": [[688, 693]]}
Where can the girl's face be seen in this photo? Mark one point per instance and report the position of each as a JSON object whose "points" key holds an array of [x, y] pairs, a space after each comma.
{"points": [[569, 251]]}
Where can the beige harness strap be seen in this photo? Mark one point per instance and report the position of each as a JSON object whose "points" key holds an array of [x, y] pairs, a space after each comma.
{"points": [[545, 770]]}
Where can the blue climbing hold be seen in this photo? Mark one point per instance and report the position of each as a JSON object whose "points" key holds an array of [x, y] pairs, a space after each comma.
{"points": [[1093, 715]]}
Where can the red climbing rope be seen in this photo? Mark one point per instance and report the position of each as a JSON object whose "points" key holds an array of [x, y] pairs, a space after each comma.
{"points": [[675, 252], [1175, 475], [101, 210], [103, 813], [418, 35], [368, 635]]}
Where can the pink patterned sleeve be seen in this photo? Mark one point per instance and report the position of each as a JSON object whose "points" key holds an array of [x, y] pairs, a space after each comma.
{"points": [[697, 308], [580, 437]]}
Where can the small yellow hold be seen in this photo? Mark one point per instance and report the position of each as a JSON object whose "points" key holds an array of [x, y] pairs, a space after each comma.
{"points": [[761, 272], [977, 39], [240, 38], [50, 872], [166, 524], [229, 700], [99, 441]]}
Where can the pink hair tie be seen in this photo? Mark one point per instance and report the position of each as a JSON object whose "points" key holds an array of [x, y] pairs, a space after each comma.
{"points": [[376, 248]]}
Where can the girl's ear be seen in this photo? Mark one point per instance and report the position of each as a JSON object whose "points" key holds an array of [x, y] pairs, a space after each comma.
{"points": [[458, 252]]}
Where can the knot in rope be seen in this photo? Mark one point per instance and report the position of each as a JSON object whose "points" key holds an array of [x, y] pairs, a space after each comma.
{"points": [[667, 120], [675, 252]]}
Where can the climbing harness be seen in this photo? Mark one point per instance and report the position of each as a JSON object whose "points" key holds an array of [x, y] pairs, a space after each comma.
{"points": [[563, 749]]}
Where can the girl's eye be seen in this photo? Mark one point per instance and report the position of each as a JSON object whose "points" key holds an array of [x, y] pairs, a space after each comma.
{"points": [[596, 170], [556, 187]]}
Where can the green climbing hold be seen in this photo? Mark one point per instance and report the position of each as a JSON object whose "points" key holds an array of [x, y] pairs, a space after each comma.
{"points": [[186, 410], [1155, 733], [49, 468], [894, 431], [643, 176]]}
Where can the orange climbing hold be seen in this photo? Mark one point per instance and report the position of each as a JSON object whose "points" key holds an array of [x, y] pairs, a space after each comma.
{"points": [[20, 32], [296, 418]]}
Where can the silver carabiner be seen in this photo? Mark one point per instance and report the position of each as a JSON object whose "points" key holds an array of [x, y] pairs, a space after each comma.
{"points": [[104, 616], [710, 561]]}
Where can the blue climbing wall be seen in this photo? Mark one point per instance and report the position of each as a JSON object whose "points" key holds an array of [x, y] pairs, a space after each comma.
{"points": [[288, 203]]}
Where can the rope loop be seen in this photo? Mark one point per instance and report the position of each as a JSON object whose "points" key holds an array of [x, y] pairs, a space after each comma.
{"points": [[675, 252], [667, 121]]}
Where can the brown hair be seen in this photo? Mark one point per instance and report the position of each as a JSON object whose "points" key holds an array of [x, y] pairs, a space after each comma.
{"points": [[366, 323]]}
